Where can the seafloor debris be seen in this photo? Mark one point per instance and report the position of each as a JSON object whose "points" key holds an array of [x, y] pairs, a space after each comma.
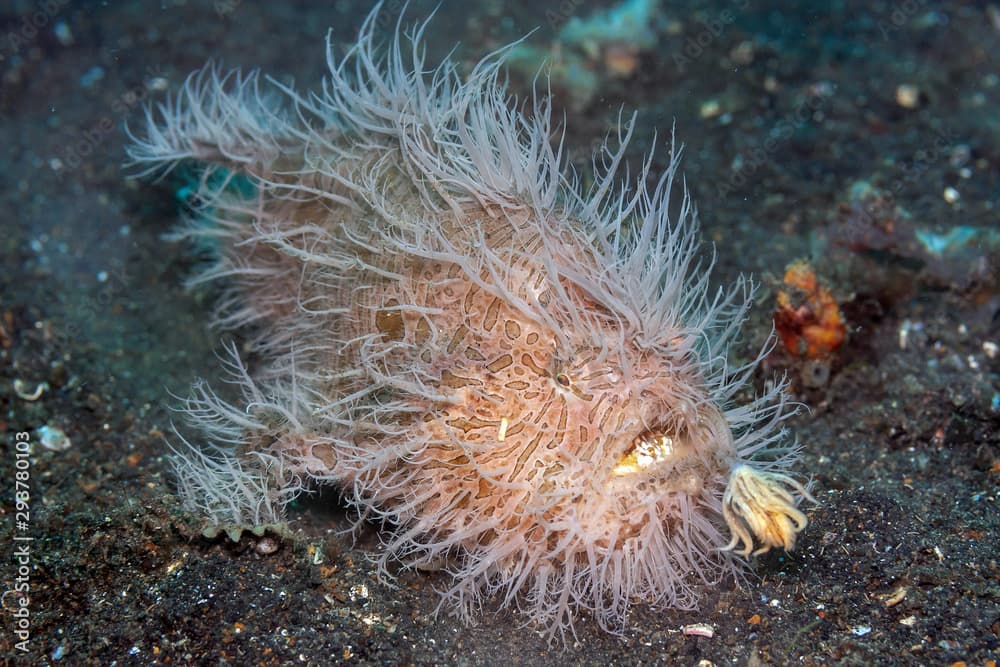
{"points": [[24, 390], [890, 240], [54, 438], [588, 52], [808, 319], [871, 219]]}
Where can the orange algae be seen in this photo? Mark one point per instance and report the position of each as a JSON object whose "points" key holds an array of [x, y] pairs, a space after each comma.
{"points": [[808, 319]]}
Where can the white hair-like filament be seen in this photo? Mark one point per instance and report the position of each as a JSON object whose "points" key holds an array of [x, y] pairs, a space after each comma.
{"points": [[398, 164]]}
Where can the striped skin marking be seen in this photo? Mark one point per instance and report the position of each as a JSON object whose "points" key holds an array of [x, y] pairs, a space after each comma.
{"points": [[454, 381], [389, 321], [499, 364], [467, 424], [460, 334], [512, 329], [592, 415], [588, 446], [602, 423], [560, 433], [544, 411], [470, 298], [490, 320], [422, 332], [515, 429], [525, 455], [528, 360]]}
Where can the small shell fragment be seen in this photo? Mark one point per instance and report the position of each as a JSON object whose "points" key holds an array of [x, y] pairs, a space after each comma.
{"points": [[22, 391], [266, 546], [54, 438], [358, 592], [699, 630], [907, 96], [897, 596], [904, 333]]}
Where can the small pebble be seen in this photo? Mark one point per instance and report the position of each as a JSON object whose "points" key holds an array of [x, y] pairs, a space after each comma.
{"points": [[907, 96], [158, 83], [64, 35], [266, 546], [710, 109], [743, 53], [92, 76], [960, 155], [54, 438]]}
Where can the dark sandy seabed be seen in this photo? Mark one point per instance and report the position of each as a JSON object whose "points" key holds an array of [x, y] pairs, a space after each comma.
{"points": [[899, 563]]}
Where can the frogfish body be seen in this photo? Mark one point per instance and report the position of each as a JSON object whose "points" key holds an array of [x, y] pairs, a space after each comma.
{"points": [[525, 379]]}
